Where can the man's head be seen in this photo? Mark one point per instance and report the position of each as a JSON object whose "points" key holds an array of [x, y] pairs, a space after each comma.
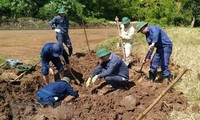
{"points": [[103, 54], [141, 27], [57, 50], [66, 79], [126, 21], [62, 11]]}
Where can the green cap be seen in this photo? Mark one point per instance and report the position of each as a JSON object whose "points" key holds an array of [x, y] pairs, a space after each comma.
{"points": [[62, 10], [102, 52], [125, 20], [140, 25], [66, 79]]}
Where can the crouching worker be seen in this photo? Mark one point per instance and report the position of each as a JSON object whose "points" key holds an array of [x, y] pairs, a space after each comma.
{"points": [[112, 68], [56, 92], [52, 52]]}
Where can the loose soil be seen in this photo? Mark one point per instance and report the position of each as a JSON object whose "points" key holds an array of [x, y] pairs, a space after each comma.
{"points": [[17, 100]]}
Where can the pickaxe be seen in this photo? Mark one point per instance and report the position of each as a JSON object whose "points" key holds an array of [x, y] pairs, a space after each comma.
{"points": [[140, 70]]}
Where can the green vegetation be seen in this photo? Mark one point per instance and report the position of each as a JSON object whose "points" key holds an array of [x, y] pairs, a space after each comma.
{"points": [[162, 12], [186, 54], [2, 61]]}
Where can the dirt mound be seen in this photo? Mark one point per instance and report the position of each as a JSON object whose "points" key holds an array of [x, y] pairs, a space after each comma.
{"points": [[17, 101]]}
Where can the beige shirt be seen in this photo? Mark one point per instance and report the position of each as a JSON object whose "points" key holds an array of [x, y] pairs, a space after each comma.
{"points": [[127, 33]]}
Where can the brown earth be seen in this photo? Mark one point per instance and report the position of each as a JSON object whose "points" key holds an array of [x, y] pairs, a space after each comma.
{"points": [[17, 100]]}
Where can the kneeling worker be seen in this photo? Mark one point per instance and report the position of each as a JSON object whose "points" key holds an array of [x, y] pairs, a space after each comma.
{"points": [[56, 92], [112, 68]]}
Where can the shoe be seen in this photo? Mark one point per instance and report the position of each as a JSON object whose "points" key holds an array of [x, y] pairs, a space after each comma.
{"points": [[152, 76], [169, 78], [105, 89]]}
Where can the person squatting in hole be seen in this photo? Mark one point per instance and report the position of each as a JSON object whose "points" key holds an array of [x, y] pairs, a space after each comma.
{"points": [[112, 68], [57, 91]]}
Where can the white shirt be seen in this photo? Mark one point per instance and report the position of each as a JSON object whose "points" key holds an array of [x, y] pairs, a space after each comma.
{"points": [[127, 33]]}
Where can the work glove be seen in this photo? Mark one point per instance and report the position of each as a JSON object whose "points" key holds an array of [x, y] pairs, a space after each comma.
{"points": [[94, 78], [88, 81], [55, 98], [57, 30], [51, 71]]}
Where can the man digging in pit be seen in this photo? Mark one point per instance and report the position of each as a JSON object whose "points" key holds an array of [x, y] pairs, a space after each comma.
{"points": [[52, 52], [56, 92], [112, 69]]}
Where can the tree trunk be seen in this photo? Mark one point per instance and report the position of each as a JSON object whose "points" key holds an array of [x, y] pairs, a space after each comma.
{"points": [[193, 21]]}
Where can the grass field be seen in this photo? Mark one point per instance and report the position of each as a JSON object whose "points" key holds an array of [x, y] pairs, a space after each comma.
{"points": [[186, 53]]}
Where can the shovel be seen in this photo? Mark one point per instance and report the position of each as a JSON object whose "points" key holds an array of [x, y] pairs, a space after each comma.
{"points": [[140, 70], [76, 80]]}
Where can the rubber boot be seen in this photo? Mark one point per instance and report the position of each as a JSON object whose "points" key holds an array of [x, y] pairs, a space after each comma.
{"points": [[152, 76], [70, 51], [169, 78]]}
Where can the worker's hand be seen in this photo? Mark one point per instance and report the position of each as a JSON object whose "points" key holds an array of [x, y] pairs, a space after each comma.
{"points": [[151, 47], [94, 78], [144, 61], [68, 66], [57, 30], [88, 81], [69, 99], [51, 71]]}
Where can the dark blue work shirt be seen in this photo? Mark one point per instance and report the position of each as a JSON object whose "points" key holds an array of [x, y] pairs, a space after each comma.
{"points": [[60, 89], [60, 23], [115, 66], [47, 53], [156, 35]]}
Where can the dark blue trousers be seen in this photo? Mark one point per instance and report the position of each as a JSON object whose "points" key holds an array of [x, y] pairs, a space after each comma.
{"points": [[162, 58]]}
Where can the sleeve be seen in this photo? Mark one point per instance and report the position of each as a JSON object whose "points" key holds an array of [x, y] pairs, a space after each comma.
{"points": [[155, 34], [52, 23], [109, 70], [45, 60], [71, 91], [96, 71]]}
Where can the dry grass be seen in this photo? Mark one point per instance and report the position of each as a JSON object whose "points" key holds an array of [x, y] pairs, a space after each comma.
{"points": [[186, 53]]}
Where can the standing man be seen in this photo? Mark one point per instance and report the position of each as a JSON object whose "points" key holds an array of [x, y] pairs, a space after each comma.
{"points": [[156, 37], [52, 52], [127, 32], [112, 68], [55, 92], [60, 25]]}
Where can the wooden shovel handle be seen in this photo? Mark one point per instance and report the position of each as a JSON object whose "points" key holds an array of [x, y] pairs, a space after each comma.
{"points": [[162, 94]]}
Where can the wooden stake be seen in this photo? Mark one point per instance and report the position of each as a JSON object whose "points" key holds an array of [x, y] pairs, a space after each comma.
{"points": [[123, 51], [161, 95], [86, 35]]}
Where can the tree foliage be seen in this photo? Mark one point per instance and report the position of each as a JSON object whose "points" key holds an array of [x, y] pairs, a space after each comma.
{"points": [[163, 12]]}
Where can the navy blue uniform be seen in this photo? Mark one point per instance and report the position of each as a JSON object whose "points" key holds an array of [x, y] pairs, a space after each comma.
{"points": [[59, 89], [164, 49], [47, 56], [114, 70], [63, 24]]}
